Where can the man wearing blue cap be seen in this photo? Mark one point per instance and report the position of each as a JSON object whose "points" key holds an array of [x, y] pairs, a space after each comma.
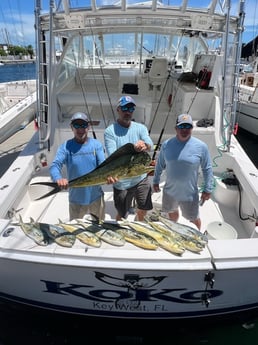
{"points": [[181, 157], [124, 131], [80, 155]]}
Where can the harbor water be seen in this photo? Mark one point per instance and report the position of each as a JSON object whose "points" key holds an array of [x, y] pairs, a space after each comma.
{"points": [[23, 326], [20, 71]]}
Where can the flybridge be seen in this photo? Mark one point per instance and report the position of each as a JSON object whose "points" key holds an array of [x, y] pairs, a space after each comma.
{"points": [[210, 17]]}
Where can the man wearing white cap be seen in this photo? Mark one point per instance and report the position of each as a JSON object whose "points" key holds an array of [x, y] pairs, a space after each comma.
{"points": [[124, 131], [80, 155], [181, 157]]}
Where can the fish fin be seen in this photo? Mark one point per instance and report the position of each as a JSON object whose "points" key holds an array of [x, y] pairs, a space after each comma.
{"points": [[95, 219], [55, 186]]}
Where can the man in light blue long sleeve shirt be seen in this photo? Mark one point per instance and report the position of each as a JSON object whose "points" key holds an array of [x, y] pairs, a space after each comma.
{"points": [[181, 157], [116, 135], [80, 155]]}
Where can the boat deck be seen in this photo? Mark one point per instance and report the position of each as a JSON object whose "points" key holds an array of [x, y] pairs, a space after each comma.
{"points": [[14, 240]]}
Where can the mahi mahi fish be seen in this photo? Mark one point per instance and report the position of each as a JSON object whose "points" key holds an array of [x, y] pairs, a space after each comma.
{"points": [[138, 239], [186, 241], [169, 244], [57, 233], [185, 230], [182, 229], [123, 163], [103, 233], [33, 232], [86, 237]]}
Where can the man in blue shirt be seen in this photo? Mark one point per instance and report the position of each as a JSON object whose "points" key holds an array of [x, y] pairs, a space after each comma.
{"points": [[124, 131], [80, 155], [181, 157]]}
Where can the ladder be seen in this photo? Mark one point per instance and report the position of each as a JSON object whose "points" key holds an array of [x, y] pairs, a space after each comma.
{"points": [[45, 44]]}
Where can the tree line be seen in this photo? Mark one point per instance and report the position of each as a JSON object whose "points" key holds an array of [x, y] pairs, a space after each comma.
{"points": [[17, 51]]}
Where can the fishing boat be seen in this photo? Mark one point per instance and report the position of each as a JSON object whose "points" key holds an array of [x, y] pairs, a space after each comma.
{"points": [[247, 105], [17, 106], [154, 52]]}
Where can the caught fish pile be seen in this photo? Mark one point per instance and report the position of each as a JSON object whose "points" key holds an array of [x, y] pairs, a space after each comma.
{"points": [[156, 232]]}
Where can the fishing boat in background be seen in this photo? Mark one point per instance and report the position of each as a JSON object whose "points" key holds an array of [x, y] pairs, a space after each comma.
{"points": [[153, 51], [17, 106], [247, 105]]}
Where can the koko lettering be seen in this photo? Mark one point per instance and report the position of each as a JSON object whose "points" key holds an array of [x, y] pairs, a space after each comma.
{"points": [[143, 295]]}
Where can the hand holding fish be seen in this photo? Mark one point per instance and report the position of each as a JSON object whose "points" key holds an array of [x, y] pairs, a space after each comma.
{"points": [[141, 146], [111, 179], [62, 183]]}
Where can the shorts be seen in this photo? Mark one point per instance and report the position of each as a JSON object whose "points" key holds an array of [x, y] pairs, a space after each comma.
{"points": [[189, 209], [97, 208], [140, 192]]}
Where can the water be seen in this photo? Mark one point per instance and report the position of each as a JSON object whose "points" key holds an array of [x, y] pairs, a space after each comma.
{"points": [[44, 328], [41, 329], [20, 71]]}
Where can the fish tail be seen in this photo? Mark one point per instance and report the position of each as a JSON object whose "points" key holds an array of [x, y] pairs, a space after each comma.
{"points": [[55, 189]]}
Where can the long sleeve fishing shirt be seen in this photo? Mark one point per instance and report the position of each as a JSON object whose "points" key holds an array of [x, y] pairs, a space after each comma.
{"points": [[116, 136], [181, 162], [79, 159]]}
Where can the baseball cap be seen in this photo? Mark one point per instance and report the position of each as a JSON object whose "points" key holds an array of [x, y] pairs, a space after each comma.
{"points": [[79, 116], [184, 118], [125, 100]]}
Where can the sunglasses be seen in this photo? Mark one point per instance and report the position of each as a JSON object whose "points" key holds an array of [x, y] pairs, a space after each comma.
{"points": [[80, 125], [130, 109], [185, 126]]}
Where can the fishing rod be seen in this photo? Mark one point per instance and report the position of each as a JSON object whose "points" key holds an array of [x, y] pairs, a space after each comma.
{"points": [[86, 105], [164, 87], [170, 104], [159, 102], [103, 78], [84, 96], [161, 133]]}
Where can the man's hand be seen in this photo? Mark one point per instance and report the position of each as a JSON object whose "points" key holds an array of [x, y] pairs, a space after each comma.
{"points": [[62, 183], [156, 188], [205, 196], [141, 146], [111, 179]]}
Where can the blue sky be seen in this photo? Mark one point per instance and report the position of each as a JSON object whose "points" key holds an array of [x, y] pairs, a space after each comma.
{"points": [[17, 20]]}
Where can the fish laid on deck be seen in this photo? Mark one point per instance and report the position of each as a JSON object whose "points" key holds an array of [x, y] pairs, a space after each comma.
{"points": [[181, 229], [83, 235], [107, 235], [188, 242], [163, 241], [123, 163], [33, 232], [139, 239], [57, 233]]}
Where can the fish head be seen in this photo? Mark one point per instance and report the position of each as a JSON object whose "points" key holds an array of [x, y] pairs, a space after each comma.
{"points": [[142, 158]]}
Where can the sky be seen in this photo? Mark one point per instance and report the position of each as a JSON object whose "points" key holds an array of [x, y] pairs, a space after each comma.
{"points": [[17, 20]]}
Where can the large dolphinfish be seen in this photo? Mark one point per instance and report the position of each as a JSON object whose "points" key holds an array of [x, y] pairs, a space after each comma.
{"points": [[123, 163]]}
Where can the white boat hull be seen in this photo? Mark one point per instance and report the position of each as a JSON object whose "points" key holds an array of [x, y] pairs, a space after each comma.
{"points": [[247, 116], [18, 106], [82, 284]]}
